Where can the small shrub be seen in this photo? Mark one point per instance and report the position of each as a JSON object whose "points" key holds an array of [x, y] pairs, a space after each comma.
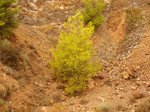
{"points": [[58, 108], [24, 57], [132, 100], [32, 52], [11, 56], [83, 101], [7, 20], [9, 70], [93, 12], [120, 107], [56, 97], [144, 107], [113, 0], [7, 109], [60, 86], [104, 107], [133, 17], [72, 60], [138, 83], [1, 102], [53, 42]]}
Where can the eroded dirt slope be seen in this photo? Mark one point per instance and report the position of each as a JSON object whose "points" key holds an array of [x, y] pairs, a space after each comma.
{"points": [[123, 78]]}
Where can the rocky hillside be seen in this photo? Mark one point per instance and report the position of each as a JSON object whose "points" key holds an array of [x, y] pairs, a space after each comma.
{"points": [[122, 85]]}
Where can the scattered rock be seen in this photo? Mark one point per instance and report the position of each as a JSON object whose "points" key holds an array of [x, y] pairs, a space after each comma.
{"points": [[100, 76], [115, 71], [117, 83], [124, 75], [122, 97], [131, 71], [133, 87], [148, 84], [61, 7], [108, 69], [91, 84], [108, 82], [32, 6], [136, 68], [45, 109], [138, 95], [52, 101], [128, 71], [101, 99]]}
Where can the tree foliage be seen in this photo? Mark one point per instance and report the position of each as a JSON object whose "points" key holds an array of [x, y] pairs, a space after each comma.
{"points": [[72, 63], [7, 20], [93, 12]]}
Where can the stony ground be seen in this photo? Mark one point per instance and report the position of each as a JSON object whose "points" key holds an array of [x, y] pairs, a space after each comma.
{"points": [[122, 84]]}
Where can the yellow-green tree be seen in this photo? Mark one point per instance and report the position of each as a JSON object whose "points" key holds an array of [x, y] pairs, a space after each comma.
{"points": [[72, 60], [92, 12]]}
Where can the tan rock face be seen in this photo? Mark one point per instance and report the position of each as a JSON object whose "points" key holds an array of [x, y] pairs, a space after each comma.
{"points": [[120, 32], [52, 11]]}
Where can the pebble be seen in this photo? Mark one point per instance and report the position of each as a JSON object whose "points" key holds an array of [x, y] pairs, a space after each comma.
{"points": [[122, 97], [124, 75], [138, 95], [133, 87], [148, 84]]}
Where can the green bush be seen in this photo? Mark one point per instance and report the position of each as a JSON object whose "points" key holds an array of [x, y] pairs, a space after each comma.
{"points": [[7, 20], [133, 16], [72, 62], [93, 12]]}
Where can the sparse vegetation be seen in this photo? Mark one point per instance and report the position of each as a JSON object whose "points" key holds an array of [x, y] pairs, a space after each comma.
{"points": [[120, 107], [138, 83], [32, 52], [11, 56], [72, 62], [83, 101], [104, 107], [93, 10], [144, 107], [7, 20], [133, 17], [1, 101], [24, 58], [9, 70], [53, 42], [132, 99], [56, 97]]}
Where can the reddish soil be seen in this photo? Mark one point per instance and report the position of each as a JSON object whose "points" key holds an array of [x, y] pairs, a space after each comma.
{"points": [[124, 82]]}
